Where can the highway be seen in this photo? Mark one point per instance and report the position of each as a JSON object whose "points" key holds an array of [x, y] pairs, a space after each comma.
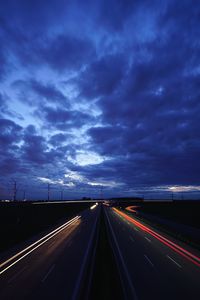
{"points": [[52, 267], [151, 266]]}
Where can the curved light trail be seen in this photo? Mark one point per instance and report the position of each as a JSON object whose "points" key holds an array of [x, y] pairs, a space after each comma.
{"points": [[132, 208]]}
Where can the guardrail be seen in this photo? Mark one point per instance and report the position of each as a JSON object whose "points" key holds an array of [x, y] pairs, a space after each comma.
{"points": [[84, 281], [127, 285]]}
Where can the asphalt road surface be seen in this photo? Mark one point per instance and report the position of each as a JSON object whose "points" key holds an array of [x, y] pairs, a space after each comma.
{"points": [[52, 267], [150, 265], [152, 268]]}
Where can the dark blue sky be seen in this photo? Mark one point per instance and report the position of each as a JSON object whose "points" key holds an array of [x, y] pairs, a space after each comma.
{"points": [[99, 94]]}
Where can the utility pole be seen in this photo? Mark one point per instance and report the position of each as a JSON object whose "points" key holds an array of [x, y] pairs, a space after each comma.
{"points": [[48, 191], [101, 193], [24, 197], [14, 190], [61, 195]]}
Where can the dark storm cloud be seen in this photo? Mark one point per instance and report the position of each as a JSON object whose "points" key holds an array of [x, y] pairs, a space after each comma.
{"points": [[3, 105], [66, 52], [58, 139], [156, 107], [9, 165], [103, 76], [31, 13], [35, 149], [23, 150], [47, 92], [3, 65], [10, 134], [63, 119], [30, 37], [138, 62], [108, 140], [113, 19], [4, 52]]}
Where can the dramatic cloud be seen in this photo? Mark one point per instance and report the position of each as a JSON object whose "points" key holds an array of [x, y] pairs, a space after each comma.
{"points": [[9, 133], [105, 74], [63, 119], [100, 95], [66, 53]]}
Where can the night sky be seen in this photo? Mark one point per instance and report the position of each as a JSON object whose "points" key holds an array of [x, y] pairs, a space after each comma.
{"points": [[99, 95]]}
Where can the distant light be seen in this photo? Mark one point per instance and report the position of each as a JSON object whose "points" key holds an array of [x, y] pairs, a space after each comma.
{"points": [[93, 206]]}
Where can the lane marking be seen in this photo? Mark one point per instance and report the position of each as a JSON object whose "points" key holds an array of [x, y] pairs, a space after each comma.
{"points": [[174, 261], [131, 238], [135, 229], [148, 259], [84, 261], [54, 233], [17, 274], [147, 239], [47, 274], [175, 247], [131, 286], [21, 252]]}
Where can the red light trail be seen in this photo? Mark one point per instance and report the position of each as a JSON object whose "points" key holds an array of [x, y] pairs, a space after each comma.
{"points": [[132, 208], [188, 255]]}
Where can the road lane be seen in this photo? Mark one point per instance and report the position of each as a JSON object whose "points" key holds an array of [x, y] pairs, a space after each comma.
{"points": [[156, 270], [23, 253], [173, 244], [52, 269]]}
